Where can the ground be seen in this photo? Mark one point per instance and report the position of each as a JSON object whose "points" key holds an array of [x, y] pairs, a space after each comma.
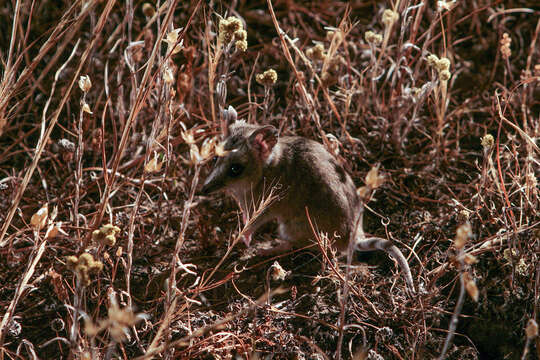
{"points": [[111, 113]]}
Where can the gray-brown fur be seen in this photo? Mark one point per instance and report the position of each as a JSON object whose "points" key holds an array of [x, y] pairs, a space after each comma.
{"points": [[306, 175]]}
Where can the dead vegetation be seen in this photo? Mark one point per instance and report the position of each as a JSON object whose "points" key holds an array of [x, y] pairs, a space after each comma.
{"points": [[110, 112]]}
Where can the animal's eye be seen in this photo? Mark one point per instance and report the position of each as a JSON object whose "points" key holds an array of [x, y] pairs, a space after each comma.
{"points": [[236, 169]]}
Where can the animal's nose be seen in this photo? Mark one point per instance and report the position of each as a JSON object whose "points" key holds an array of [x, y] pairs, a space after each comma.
{"points": [[209, 186], [205, 189]]}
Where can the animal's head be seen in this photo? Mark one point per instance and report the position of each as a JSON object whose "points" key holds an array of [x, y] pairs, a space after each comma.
{"points": [[246, 149]]}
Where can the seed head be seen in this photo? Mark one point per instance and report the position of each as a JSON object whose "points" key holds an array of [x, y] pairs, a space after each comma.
{"points": [[241, 45], [83, 266], [148, 10], [316, 52], [532, 329], [39, 219], [471, 287], [173, 45], [443, 64], [389, 17], [84, 83], [373, 38], [537, 71], [487, 141], [106, 235], [464, 232], [445, 75], [432, 60], [267, 78], [227, 28], [505, 46]]}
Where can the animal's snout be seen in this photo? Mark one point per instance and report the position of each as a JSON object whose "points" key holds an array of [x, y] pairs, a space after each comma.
{"points": [[210, 185], [205, 190]]}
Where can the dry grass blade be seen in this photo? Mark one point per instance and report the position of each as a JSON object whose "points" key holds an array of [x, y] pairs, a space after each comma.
{"points": [[45, 137], [109, 251], [21, 287]]}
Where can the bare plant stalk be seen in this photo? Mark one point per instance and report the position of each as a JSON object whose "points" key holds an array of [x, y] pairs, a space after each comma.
{"points": [[204, 330], [356, 231], [457, 310], [78, 169], [21, 287], [250, 219], [144, 89], [175, 260], [78, 295], [302, 88], [44, 139], [12, 82]]}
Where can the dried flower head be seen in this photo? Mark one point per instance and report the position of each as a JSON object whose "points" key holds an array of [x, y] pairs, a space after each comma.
{"points": [[316, 52], [443, 64], [330, 34], [86, 108], [445, 75], [106, 235], [487, 142], [219, 149], [470, 286], [267, 78], [506, 41], [207, 148], [173, 45], [373, 179], [241, 40], [194, 155], [463, 233], [227, 28], [148, 10], [154, 165], [522, 267], [240, 34], [389, 17], [432, 60], [537, 71], [445, 5], [39, 219], [277, 272], [241, 45], [83, 266], [373, 38], [531, 331], [464, 215], [168, 75], [189, 136], [118, 322], [85, 83]]}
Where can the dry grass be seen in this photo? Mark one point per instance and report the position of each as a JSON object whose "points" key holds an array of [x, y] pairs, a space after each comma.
{"points": [[443, 97]]}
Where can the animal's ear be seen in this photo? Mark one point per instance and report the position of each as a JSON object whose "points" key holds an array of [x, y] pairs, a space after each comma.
{"points": [[262, 141], [229, 117]]}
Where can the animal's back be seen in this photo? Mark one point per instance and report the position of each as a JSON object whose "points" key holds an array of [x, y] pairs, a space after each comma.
{"points": [[316, 181]]}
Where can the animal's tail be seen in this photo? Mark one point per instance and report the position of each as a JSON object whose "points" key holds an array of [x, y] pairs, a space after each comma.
{"points": [[374, 243]]}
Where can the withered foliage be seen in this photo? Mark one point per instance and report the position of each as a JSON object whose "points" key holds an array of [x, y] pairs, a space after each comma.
{"points": [[111, 111]]}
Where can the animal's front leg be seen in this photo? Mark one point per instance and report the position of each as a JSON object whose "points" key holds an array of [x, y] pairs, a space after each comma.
{"points": [[251, 224], [247, 234]]}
